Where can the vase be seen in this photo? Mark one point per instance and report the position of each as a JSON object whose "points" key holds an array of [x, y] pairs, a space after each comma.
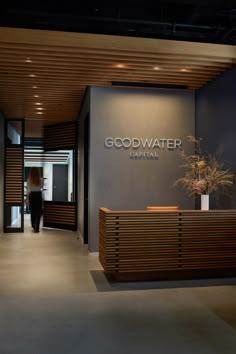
{"points": [[204, 201]]}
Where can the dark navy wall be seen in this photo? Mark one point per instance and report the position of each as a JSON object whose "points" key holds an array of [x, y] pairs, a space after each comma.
{"points": [[82, 116], [216, 123]]}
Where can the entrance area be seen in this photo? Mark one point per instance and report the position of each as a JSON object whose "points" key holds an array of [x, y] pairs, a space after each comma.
{"points": [[56, 157], [57, 171]]}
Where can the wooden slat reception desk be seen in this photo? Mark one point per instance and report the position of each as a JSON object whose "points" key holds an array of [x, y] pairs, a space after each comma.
{"points": [[167, 244]]}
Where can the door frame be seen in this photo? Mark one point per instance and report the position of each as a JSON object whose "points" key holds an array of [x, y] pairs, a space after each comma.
{"points": [[8, 160]]}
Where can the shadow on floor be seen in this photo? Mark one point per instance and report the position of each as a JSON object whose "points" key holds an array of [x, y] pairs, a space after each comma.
{"points": [[103, 283]]}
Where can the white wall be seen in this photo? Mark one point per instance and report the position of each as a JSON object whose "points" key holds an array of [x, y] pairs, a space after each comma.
{"points": [[47, 173]]}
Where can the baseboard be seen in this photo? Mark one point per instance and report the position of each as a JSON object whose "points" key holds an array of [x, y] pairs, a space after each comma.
{"points": [[93, 254]]}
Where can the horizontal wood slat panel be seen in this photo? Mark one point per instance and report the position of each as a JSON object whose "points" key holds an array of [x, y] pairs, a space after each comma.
{"points": [[164, 241], [60, 215], [14, 174], [59, 136], [64, 64]]}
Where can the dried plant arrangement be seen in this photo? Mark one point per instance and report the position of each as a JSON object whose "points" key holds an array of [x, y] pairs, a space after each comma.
{"points": [[205, 172]]}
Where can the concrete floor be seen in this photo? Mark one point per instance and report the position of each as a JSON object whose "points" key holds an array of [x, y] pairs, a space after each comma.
{"points": [[54, 299]]}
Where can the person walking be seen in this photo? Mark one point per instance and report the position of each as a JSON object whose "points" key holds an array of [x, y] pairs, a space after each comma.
{"points": [[34, 197]]}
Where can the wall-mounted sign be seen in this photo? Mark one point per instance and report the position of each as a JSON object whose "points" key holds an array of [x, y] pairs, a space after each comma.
{"points": [[135, 144]]}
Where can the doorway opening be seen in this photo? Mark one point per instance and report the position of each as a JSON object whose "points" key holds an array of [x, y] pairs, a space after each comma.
{"points": [[57, 172]]}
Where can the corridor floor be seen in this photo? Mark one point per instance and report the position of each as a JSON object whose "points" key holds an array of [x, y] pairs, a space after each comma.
{"points": [[55, 299]]}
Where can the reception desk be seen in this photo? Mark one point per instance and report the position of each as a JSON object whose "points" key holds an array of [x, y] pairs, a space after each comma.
{"points": [[167, 244]]}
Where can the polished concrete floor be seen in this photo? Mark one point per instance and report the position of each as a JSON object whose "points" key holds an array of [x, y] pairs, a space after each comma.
{"points": [[54, 299]]}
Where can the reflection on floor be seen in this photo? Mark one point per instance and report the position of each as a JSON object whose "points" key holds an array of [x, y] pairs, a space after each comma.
{"points": [[54, 299]]}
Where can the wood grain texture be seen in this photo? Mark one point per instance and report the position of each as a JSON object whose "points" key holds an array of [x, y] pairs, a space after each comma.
{"points": [[64, 64], [162, 241], [60, 215], [14, 170], [60, 136]]}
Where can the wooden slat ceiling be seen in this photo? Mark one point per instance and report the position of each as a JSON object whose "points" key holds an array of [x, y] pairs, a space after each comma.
{"points": [[37, 154], [58, 66]]}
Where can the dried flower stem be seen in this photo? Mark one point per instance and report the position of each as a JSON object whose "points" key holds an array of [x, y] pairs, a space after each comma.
{"points": [[205, 172]]}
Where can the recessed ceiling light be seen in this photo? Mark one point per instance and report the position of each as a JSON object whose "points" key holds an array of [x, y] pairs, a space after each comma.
{"points": [[39, 108], [28, 60], [156, 68], [32, 75], [120, 66], [36, 96], [38, 103], [185, 70], [39, 112], [34, 87]]}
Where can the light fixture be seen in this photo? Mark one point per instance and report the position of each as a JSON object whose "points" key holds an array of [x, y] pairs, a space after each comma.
{"points": [[36, 96], [120, 66], [185, 70], [34, 87], [28, 60], [39, 108], [39, 112], [38, 103], [32, 75], [148, 85], [156, 68]]}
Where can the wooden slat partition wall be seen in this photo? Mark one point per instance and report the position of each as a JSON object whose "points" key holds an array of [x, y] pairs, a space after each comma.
{"points": [[65, 63], [167, 242], [60, 136], [14, 174], [61, 215]]}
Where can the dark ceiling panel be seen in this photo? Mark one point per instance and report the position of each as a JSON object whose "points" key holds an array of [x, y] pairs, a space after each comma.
{"points": [[201, 21]]}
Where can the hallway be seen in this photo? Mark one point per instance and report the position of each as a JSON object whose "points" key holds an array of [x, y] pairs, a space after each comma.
{"points": [[55, 299], [50, 262]]}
